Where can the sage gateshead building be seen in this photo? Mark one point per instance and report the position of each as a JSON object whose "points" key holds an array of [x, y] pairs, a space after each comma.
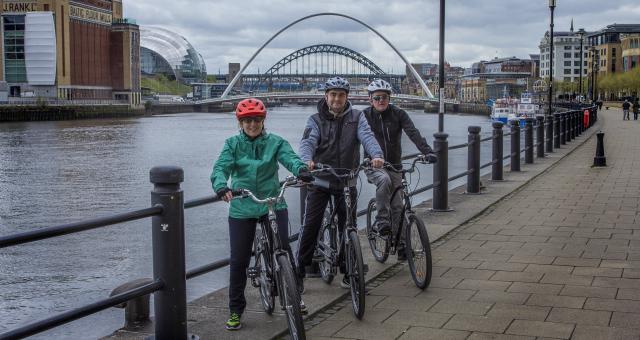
{"points": [[70, 49], [170, 54]]}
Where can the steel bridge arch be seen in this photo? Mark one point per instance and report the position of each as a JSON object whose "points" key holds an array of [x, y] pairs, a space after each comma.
{"points": [[325, 48], [407, 63]]}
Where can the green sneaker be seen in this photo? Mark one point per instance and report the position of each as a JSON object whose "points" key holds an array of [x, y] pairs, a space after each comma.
{"points": [[234, 322]]}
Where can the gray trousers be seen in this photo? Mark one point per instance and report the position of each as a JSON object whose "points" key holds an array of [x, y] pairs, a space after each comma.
{"points": [[386, 183]]}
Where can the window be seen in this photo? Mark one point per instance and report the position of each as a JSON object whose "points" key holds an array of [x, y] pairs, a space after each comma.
{"points": [[576, 71], [14, 66], [567, 63], [567, 55], [576, 55], [567, 79], [567, 47], [567, 71], [576, 63], [613, 52]]}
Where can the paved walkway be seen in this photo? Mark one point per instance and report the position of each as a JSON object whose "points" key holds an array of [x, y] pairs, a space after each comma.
{"points": [[559, 258]]}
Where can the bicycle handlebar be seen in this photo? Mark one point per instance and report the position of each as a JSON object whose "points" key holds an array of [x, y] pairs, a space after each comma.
{"points": [[288, 182], [420, 158]]}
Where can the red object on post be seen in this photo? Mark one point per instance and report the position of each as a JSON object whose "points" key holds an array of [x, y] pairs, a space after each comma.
{"points": [[586, 119]]}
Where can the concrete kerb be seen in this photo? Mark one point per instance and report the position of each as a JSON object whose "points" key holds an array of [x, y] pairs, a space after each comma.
{"points": [[207, 314]]}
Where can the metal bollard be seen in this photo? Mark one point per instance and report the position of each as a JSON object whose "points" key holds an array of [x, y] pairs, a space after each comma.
{"points": [[498, 153], [528, 140], [569, 126], [540, 136], [549, 134], [441, 173], [600, 159], [579, 121], [136, 311], [170, 303], [563, 128], [473, 160], [515, 145], [556, 132], [573, 125]]}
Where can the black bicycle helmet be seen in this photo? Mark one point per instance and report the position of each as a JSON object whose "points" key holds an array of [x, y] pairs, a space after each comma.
{"points": [[336, 83]]}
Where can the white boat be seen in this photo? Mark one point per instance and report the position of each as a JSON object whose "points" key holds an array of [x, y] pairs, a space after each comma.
{"points": [[504, 110]]}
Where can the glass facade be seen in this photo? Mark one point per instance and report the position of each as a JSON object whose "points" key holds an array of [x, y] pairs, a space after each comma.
{"points": [[168, 53], [15, 70]]}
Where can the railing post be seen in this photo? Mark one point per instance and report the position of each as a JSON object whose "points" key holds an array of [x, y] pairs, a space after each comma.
{"points": [[473, 160], [556, 130], [528, 140], [441, 173], [563, 122], [515, 145], [549, 140], [540, 136], [170, 303], [579, 119], [498, 153], [573, 125]]}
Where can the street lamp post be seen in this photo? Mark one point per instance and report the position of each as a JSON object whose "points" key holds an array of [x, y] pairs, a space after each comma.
{"points": [[552, 6], [441, 71], [581, 33]]}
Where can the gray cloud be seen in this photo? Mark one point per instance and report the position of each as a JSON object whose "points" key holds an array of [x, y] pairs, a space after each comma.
{"points": [[226, 31]]}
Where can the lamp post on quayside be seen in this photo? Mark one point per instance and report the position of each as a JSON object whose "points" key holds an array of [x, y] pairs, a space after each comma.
{"points": [[552, 6], [581, 33]]}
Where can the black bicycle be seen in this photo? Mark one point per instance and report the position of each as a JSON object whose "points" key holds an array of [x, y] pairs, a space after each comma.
{"points": [[416, 239], [272, 272], [333, 245]]}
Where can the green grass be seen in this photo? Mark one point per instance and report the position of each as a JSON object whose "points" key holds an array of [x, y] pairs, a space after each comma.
{"points": [[162, 85]]}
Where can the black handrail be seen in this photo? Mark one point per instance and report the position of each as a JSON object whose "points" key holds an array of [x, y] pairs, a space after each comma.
{"points": [[45, 233]]}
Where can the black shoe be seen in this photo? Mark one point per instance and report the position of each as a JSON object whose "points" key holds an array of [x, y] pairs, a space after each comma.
{"points": [[383, 229], [300, 285], [345, 282]]}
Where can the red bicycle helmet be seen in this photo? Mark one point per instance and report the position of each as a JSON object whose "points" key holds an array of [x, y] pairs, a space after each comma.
{"points": [[250, 107]]}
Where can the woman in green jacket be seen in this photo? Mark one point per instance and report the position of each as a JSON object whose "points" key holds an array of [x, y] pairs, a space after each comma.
{"points": [[251, 159]]}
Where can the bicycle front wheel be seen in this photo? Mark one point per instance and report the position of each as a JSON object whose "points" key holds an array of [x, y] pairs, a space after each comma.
{"points": [[265, 281], [355, 268], [379, 245], [418, 251], [325, 246], [290, 298]]}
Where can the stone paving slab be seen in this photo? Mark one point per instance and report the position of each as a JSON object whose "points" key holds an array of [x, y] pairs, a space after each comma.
{"points": [[548, 253]]}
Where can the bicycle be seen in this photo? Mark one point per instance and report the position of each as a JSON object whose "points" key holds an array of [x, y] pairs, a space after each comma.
{"points": [[417, 246], [272, 272], [333, 245]]}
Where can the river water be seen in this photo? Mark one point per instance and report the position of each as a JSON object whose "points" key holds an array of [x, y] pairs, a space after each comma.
{"points": [[54, 173]]}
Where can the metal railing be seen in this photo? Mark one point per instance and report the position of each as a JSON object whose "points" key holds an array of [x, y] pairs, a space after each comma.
{"points": [[167, 213]]}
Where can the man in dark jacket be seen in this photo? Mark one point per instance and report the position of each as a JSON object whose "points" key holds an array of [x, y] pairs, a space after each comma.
{"points": [[625, 109], [387, 123], [333, 137]]}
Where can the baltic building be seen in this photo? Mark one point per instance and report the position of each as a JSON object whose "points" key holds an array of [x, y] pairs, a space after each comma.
{"points": [[70, 49]]}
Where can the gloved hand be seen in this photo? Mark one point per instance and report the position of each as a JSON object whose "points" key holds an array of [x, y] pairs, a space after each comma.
{"points": [[431, 158], [221, 193], [305, 176]]}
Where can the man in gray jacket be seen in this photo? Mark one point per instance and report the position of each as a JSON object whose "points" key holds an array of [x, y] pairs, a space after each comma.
{"points": [[333, 137]]}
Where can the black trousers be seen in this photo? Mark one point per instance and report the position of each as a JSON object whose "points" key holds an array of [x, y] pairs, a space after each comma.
{"points": [[241, 234], [315, 206]]}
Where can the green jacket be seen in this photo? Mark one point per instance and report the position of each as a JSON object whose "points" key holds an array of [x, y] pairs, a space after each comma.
{"points": [[253, 165]]}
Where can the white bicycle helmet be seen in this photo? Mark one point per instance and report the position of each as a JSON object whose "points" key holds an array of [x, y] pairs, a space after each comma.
{"points": [[379, 85], [336, 83]]}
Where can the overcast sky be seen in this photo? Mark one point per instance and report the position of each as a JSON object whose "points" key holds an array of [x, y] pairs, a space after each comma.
{"points": [[226, 31]]}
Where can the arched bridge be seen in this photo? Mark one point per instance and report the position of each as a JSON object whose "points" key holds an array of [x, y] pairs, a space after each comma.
{"points": [[308, 68], [314, 96]]}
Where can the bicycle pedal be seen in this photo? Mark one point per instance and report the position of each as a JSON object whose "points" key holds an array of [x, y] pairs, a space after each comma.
{"points": [[255, 283]]}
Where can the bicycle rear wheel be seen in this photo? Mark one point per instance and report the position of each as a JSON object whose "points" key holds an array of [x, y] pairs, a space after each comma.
{"points": [[264, 266], [326, 243], [379, 245], [418, 251], [290, 298], [355, 270]]}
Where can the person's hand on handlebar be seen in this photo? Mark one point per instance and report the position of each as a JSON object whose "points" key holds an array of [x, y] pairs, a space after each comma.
{"points": [[310, 165], [225, 194], [431, 158], [377, 162], [305, 176]]}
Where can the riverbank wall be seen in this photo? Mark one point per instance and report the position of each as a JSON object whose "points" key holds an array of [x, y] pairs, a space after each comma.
{"points": [[48, 113], [479, 109]]}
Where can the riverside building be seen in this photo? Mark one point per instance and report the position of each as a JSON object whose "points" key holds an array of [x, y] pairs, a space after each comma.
{"points": [[566, 56], [70, 49]]}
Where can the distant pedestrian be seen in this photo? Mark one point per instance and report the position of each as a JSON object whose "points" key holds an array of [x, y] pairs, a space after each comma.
{"points": [[636, 108], [625, 109], [599, 103]]}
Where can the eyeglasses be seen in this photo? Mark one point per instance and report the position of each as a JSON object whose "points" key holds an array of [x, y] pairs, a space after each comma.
{"points": [[381, 98], [252, 119]]}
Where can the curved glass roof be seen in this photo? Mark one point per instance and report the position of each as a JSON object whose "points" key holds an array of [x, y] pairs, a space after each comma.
{"points": [[187, 64]]}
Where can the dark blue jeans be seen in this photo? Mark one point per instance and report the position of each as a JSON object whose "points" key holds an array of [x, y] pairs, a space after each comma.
{"points": [[241, 234]]}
